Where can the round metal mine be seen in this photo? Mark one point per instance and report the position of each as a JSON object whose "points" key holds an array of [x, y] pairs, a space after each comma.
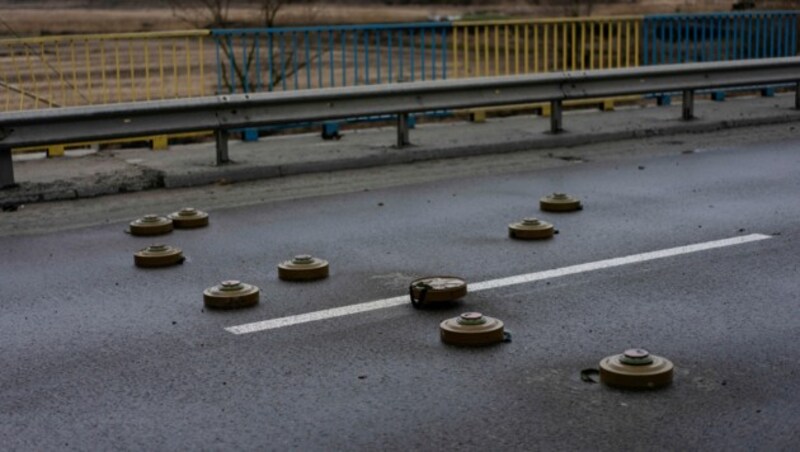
{"points": [[303, 267], [151, 224], [158, 256], [436, 289], [188, 218], [472, 328], [559, 202], [231, 294], [531, 229], [636, 368]]}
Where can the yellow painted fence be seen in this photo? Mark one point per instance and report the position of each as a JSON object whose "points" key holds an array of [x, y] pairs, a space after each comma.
{"points": [[77, 70], [512, 47]]}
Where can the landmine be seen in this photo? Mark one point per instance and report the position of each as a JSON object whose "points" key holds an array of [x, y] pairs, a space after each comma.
{"points": [[188, 218], [231, 294], [636, 369], [303, 267], [151, 224], [531, 229], [559, 202], [472, 329], [436, 289], [158, 256]]}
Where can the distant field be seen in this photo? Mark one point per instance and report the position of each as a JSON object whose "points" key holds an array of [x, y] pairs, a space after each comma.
{"points": [[58, 17]]}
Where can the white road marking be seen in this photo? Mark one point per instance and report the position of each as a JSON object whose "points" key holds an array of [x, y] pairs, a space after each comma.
{"points": [[496, 283]]}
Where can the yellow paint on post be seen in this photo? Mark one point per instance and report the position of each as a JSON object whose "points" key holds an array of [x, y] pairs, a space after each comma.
{"points": [[56, 150], [159, 143]]}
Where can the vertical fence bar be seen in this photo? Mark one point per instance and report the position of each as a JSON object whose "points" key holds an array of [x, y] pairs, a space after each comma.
{"points": [[175, 91], [583, 46], [330, 57], [189, 84], [32, 75], [282, 58], [245, 66], [636, 43], [62, 81], [422, 53], [378, 52], [412, 44], [433, 54], [344, 58], [366, 57], [496, 67], [401, 56], [161, 83], [546, 60], [75, 72], [444, 52], [307, 46], [485, 51], [201, 52], [295, 63], [536, 48], [627, 43], [564, 47], [525, 41]]}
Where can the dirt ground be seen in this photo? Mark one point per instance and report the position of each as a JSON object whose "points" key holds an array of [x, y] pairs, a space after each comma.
{"points": [[35, 18]]}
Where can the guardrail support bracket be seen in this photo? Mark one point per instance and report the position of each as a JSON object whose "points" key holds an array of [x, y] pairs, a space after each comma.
{"points": [[6, 169], [221, 136], [688, 104], [402, 130], [556, 123]]}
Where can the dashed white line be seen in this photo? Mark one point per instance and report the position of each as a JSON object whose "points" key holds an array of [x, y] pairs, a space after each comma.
{"points": [[325, 314]]}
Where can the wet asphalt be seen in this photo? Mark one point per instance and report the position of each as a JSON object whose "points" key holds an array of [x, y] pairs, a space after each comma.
{"points": [[98, 354]]}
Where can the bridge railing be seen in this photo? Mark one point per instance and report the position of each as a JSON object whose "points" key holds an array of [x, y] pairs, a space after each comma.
{"points": [[292, 58], [74, 70], [63, 71], [530, 46], [77, 70], [687, 38], [226, 112]]}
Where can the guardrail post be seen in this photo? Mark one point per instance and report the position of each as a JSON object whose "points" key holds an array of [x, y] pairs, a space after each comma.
{"points": [[556, 124], [402, 130], [688, 104], [797, 95], [221, 136], [6, 168]]}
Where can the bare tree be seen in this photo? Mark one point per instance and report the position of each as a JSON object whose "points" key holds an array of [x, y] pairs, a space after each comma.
{"points": [[202, 13], [237, 72], [578, 8]]}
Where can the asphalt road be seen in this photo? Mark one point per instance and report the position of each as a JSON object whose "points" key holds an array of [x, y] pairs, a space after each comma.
{"points": [[98, 354]]}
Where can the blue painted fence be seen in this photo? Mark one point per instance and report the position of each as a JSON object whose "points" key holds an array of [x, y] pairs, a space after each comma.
{"points": [[291, 58], [687, 38]]}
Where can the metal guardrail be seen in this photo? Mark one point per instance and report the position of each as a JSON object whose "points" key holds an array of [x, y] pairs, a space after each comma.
{"points": [[222, 113]]}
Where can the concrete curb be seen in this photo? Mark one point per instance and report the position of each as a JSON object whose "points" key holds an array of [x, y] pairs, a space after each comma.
{"points": [[142, 177], [414, 153]]}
